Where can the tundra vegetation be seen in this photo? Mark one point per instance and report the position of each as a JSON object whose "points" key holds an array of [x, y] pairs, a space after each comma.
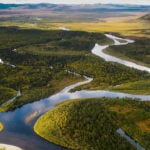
{"points": [[41, 54], [92, 123], [42, 58]]}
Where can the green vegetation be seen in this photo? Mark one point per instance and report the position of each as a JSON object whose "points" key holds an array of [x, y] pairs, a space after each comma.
{"points": [[133, 117], [42, 53], [137, 52], [138, 87], [35, 83], [1, 126], [42, 58], [108, 75], [6, 93], [81, 124], [92, 123]]}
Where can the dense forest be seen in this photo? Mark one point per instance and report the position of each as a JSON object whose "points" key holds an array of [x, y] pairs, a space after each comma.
{"points": [[40, 60], [92, 123], [81, 125]]}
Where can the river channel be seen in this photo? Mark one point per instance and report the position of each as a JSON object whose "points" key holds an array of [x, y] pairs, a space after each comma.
{"points": [[19, 123]]}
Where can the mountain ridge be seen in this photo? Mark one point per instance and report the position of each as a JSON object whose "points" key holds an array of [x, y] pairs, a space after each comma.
{"points": [[77, 7]]}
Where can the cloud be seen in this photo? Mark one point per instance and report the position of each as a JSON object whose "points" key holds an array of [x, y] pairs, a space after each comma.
{"points": [[143, 2]]}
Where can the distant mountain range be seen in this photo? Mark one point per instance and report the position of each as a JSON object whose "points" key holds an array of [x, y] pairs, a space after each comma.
{"points": [[82, 8], [29, 6]]}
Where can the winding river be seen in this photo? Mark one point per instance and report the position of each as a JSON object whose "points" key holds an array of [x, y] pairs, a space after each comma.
{"points": [[19, 123], [98, 50]]}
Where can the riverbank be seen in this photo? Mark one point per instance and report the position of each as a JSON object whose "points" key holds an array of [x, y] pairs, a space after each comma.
{"points": [[1, 127], [137, 52], [9, 147], [98, 50]]}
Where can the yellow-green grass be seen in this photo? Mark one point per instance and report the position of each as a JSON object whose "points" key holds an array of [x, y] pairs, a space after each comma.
{"points": [[6, 94], [144, 125], [137, 87], [1, 126], [128, 26]]}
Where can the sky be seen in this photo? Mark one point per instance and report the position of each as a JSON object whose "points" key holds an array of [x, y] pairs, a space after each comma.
{"points": [[143, 2]]}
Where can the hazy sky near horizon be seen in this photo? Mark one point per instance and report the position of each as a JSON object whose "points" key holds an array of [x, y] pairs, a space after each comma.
{"points": [[143, 2]]}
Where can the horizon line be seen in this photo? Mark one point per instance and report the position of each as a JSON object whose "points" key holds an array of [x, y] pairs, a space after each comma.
{"points": [[76, 3]]}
